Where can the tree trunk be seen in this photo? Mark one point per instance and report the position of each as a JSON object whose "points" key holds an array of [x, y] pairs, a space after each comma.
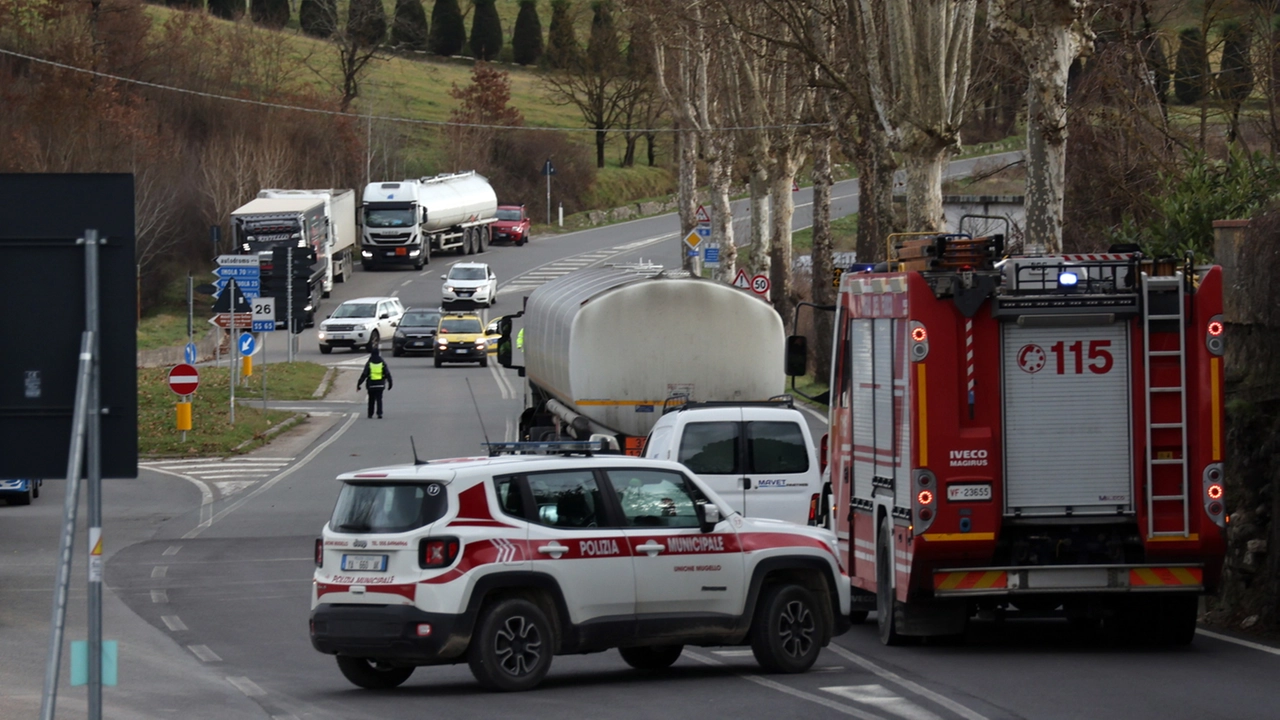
{"points": [[1046, 155], [651, 149], [876, 165], [629, 155], [781, 179], [687, 189], [924, 188], [758, 260], [600, 138], [822, 290], [721, 180]]}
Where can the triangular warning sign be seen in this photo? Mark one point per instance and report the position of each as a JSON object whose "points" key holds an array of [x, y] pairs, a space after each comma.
{"points": [[742, 281], [702, 215]]}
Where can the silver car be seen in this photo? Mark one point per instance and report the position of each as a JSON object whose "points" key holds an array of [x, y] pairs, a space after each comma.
{"points": [[469, 284], [360, 323]]}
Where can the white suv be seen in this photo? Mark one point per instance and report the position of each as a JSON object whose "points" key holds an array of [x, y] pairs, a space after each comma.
{"points": [[503, 562], [469, 282], [362, 322]]}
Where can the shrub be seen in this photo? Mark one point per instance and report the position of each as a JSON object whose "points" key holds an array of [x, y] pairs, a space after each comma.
{"points": [[318, 18], [486, 31], [1190, 76], [448, 34], [526, 41], [409, 30], [367, 21]]}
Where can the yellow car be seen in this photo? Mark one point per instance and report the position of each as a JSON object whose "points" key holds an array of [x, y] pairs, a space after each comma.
{"points": [[461, 338]]}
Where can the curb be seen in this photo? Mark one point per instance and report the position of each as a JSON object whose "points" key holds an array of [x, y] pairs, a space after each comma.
{"points": [[323, 388], [273, 430]]}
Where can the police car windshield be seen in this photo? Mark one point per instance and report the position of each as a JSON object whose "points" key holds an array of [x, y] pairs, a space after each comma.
{"points": [[387, 508], [355, 310]]}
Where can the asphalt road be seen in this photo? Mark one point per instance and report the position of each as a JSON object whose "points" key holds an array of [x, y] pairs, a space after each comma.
{"points": [[209, 565]]}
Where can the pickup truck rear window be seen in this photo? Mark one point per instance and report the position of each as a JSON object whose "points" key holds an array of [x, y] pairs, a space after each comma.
{"points": [[388, 508]]}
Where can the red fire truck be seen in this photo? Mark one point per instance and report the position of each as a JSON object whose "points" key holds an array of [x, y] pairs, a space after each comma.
{"points": [[1042, 434]]}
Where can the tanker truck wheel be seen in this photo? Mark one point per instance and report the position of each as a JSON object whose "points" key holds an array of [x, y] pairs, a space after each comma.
{"points": [[468, 242], [482, 238]]}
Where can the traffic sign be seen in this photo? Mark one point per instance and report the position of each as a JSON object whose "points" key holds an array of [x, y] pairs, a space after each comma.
{"points": [[240, 260], [692, 240], [264, 314], [184, 379], [711, 255], [742, 281], [760, 284], [703, 230], [702, 215], [189, 352], [223, 320], [246, 344]]}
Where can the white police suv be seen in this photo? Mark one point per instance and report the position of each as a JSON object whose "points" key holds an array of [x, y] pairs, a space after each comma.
{"points": [[502, 562]]}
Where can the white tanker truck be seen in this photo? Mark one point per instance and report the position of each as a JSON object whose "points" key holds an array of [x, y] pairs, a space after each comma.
{"points": [[405, 222], [669, 366]]}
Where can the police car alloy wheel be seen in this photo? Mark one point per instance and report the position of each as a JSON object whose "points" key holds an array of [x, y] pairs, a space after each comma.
{"points": [[372, 674], [786, 636], [657, 657], [512, 649]]}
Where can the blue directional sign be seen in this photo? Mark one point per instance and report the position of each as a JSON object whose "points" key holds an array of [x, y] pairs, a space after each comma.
{"points": [[263, 326], [247, 344], [189, 353], [248, 280], [704, 230], [712, 255]]}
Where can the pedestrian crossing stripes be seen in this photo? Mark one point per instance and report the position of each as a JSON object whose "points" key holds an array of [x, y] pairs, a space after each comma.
{"points": [[884, 700], [238, 468]]}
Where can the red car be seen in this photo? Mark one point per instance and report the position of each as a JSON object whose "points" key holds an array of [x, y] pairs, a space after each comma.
{"points": [[512, 224]]}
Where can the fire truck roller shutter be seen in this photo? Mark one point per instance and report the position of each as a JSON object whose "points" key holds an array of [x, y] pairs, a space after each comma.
{"points": [[1068, 424]]}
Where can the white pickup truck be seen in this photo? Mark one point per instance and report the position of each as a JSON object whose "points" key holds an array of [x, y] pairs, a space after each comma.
{"points": [[758, 456]]}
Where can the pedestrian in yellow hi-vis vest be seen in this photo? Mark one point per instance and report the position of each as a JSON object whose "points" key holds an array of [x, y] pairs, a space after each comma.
{"points": [[377, 377], [520, 339]]}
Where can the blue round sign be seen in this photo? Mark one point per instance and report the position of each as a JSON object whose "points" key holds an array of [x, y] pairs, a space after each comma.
{"points": [[247, 344], [189, 353]]}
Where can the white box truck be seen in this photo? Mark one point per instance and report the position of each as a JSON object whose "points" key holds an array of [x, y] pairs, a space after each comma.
{"points": [[337, 256]]}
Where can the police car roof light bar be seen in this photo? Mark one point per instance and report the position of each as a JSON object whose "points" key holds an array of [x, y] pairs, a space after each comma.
{"points": [[545, 446]]}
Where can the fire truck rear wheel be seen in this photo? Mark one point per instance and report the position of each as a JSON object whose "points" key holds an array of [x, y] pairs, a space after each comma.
{"points": [[372, 674], [658, 657], [786, 634], [886, 602]]}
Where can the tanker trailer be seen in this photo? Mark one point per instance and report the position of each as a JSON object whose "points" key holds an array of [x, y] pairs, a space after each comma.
{"points": [[406, 222], [607, 350]]}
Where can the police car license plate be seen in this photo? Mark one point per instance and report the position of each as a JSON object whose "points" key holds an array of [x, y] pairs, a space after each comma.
{"points": [[974, 491], [376, 563]]}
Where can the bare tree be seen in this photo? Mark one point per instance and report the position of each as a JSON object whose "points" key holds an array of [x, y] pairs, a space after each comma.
{"points": [[1048, 35], [356, 47]]}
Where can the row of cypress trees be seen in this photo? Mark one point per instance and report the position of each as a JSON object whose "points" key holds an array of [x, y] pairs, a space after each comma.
{"points": [[445, 34], [1192, 77]]}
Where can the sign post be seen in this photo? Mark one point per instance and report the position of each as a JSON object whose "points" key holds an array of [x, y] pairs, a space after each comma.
{"points": [[183, 380], [234, 366], [548, 169]]}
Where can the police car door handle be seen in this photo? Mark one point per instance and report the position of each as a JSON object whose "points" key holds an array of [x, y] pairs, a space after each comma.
{"points": [[555, 549], [651, 547]]}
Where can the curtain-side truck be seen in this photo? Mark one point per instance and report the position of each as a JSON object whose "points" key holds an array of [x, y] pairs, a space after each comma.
{"points": [[1041, 435]]}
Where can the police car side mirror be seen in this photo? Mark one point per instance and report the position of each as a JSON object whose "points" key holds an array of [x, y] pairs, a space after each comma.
{"points": [[708, 515], [384, 316]]}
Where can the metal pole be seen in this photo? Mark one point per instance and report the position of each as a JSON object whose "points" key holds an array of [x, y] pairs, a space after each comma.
{"points": [[233, 350], [548, 196], [94, 462], [288, 313], [264, 373], [75, 464], [191, 309]]}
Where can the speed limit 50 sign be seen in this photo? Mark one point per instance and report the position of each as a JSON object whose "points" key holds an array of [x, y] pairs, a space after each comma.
{"points": [[760, 285], [264, 314]]}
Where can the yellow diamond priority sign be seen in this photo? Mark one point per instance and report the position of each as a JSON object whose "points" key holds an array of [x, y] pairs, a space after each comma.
{"points": [[692, 239]]}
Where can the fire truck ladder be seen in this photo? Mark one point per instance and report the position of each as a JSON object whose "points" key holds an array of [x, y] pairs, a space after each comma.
{"points": [[1165, 420]]}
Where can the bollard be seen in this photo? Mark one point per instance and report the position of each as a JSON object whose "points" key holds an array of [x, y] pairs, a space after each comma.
{"points": [[247, 367], [184, 416]]}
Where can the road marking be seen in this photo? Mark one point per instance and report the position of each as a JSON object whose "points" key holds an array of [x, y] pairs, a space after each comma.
{"points": [[172, 550], [227, 488], [194, 532], [173, 622], [160, 596], [395, 293], [406, 282], [734, 653], [773, 685], [883, 699], [247, 686], [159, 571], [204, 653], [1238, 641], [206, 494], [914, 687]]}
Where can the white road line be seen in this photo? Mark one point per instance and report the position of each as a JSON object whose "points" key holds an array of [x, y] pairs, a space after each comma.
{"points": [[159, 571], [394, 293], [813, 412], [247, 686], [172, 550], [173, 622], [224, 476], [733, 653], [194, 532], [160, 597], [206, 494], [914, 687], [773, 685], [204, 653], [883, 699], [406, 282], [1238, 641]]}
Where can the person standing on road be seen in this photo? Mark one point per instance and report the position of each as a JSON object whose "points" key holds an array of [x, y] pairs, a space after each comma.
{"points": [[376, 377]]}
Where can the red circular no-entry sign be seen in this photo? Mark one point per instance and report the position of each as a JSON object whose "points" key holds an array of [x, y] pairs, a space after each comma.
{"points": [[184, 379]]}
